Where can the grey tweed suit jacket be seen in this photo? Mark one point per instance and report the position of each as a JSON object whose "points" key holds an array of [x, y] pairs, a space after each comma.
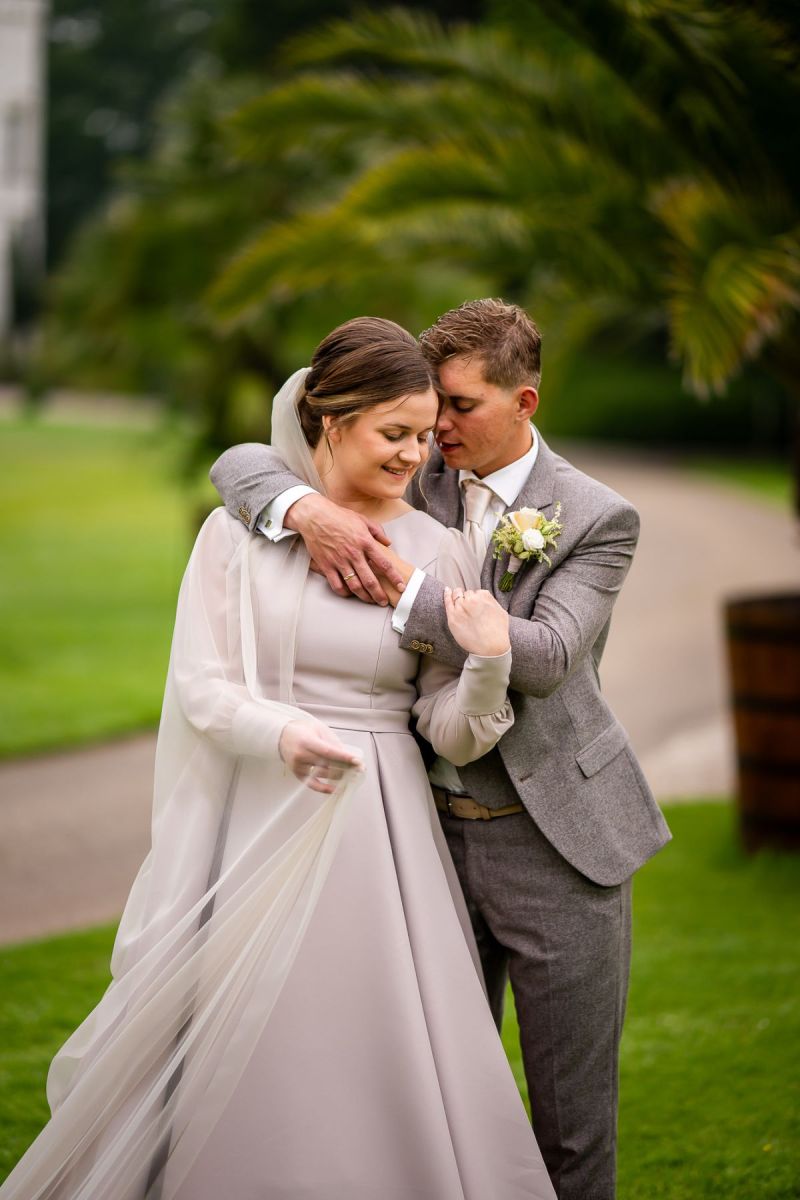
{"points": [[567, 758]]}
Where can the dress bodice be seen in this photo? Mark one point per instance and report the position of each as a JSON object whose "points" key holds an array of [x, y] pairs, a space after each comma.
{"points": [[350, 670]]}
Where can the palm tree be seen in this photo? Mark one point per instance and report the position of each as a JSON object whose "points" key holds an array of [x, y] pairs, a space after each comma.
{"points": [[608, 164], [126, 310]]}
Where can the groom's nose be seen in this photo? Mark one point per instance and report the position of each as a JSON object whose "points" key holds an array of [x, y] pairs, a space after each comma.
{"points": [[445, 422]]}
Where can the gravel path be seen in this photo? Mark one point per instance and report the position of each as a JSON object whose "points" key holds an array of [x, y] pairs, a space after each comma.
{"points": [[76, 825]]}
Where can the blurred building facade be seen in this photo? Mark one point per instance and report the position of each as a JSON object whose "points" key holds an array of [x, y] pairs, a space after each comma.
{"points": [[22, 110]]}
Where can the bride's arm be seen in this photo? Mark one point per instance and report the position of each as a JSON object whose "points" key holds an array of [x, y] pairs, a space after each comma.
{"points": [[207, 668], [463, 714]]}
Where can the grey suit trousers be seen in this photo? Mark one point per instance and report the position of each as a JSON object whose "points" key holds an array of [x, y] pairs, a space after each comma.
{"points": [[565, 943]]}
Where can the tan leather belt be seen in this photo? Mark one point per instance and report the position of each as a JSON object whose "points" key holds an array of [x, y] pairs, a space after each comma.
{"points": [[468, 809]]}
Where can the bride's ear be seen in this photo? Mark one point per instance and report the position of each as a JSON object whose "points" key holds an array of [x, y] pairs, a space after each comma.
{"points": [[330, 430]]}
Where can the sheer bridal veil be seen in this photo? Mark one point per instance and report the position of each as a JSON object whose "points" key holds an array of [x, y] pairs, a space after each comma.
{"points": [[240, 852]]}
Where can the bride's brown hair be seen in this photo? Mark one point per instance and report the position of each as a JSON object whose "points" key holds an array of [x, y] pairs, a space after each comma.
{"points": [[362, 363]]}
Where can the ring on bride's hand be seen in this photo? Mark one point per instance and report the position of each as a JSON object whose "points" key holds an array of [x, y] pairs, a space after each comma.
{"points": [[350, 576]]}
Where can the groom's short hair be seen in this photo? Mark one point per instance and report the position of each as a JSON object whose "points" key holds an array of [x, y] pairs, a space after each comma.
{"points": [[502, 335]]}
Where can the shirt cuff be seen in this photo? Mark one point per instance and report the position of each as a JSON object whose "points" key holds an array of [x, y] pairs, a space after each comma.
{"points": [[270, 523], [406, 601]]}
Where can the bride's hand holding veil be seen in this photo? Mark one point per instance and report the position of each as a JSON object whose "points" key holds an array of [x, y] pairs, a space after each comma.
{"points": [[315, 755]]}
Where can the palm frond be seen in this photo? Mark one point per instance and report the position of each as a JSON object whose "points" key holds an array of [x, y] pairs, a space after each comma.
{"points": [[720, 78], [730, 288]]}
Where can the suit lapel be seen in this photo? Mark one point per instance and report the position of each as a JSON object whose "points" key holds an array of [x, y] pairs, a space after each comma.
{"points": [[536, 492], [440, 491]]}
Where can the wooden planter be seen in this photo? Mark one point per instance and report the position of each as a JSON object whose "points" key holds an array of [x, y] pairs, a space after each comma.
{"points": [[764, 657]]}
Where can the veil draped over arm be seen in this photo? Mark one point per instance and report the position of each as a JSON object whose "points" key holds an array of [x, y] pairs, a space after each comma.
{"points": [[213, 922]]}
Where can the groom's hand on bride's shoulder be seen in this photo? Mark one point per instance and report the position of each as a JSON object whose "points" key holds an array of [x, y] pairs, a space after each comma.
{"points": [[345, 547]]}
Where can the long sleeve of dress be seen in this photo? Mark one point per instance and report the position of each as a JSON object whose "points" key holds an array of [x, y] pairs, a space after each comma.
{"points": [[210, 643], [463, 714]]}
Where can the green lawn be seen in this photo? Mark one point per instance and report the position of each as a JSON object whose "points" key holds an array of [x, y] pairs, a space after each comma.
{"points": [[94, 535], [710, 1086], [769, 479], [710, 1093], [46, 989]]}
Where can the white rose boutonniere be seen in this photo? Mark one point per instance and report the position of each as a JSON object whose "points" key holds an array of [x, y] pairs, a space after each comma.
{"points": [[523, 535]]}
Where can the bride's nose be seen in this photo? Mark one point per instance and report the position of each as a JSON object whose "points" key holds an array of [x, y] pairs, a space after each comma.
{"points": [[410, 455]]}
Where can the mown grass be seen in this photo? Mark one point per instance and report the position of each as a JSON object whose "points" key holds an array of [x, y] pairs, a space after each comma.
{"points": [[94, 535], [46, 989], [709, 1088], [770, 479]]}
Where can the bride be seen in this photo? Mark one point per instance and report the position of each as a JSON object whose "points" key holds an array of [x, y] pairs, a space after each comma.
{"points": [[296, 1008]]}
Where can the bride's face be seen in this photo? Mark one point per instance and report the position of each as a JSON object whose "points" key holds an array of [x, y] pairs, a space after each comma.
{"points": [[376, 454]]}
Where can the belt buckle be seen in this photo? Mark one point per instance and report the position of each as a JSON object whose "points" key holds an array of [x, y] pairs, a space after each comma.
{"points": [[448, 799]]}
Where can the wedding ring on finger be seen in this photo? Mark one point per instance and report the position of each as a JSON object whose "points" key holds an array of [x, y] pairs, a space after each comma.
{"points": [[352, 575]]}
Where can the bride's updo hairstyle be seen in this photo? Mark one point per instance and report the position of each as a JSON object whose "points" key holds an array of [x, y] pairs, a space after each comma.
{"points": [[361, 364]]}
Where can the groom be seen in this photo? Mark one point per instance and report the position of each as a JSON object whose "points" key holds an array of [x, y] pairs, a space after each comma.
{"points": [[547, 829]]}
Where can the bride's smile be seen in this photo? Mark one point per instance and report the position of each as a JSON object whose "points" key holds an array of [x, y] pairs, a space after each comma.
{"points": [[367, 461]]}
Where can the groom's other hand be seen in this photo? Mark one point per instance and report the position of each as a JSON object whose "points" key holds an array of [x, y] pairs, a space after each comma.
{"points": [[346, 548]]}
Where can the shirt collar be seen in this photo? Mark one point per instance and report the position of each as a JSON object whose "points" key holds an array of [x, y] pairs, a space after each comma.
{"points": [[507, 483]]}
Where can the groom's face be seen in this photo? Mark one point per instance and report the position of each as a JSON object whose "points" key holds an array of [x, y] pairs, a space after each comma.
{"points": [[482, 426]]}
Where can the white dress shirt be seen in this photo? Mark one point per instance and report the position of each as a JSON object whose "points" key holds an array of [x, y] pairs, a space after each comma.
{"points": [[270, 523]]}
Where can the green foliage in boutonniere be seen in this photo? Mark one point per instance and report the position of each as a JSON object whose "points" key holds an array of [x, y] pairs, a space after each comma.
{"points": [[522, 535]]}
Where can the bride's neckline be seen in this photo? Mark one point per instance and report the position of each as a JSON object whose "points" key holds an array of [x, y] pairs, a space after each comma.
{"points": [[399, 517], [388, 520]]}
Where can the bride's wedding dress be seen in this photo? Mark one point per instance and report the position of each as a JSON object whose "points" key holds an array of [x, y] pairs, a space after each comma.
{"points": [[380, 1075], [297, 1009]]}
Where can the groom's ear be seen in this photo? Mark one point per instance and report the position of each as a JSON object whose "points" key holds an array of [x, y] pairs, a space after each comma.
{"points": [[527, 403]]}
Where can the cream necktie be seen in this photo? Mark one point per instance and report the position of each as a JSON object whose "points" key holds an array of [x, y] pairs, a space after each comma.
{"points": [[476, 501]]}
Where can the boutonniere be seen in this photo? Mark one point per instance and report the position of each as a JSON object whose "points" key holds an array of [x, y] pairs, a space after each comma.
{"points": [[523, 535]]}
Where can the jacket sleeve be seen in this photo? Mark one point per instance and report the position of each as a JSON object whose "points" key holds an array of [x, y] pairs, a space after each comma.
{"points": [[248, 477], [571, 608], [462, 712]]}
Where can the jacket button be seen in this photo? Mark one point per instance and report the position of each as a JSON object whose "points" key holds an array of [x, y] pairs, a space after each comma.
{"points": [[415, 645]]}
